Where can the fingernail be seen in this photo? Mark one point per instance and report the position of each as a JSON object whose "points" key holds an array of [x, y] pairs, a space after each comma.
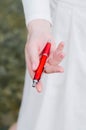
{"points": [[39, 90]]}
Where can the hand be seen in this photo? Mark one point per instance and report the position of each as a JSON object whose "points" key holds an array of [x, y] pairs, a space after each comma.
{"points": [[55, 58], [39, 34]]}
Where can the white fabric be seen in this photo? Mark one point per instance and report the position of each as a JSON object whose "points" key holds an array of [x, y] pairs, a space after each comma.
{"points": [[35, 9], [62, 104], [79, 3]]}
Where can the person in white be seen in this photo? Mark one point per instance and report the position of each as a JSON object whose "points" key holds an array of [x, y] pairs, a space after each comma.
{"points": [[61, 103]]}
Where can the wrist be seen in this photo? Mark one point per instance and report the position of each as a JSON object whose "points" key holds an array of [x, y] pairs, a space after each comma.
{"points": [[36, 25]]}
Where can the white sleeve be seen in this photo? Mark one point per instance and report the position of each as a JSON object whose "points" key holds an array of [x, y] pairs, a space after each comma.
{"points": [[36, 9]]}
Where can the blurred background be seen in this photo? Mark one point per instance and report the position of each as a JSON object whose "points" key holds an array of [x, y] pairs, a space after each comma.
{"points": [[12, 61]]}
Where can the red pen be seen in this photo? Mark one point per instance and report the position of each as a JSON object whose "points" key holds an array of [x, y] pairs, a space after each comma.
{"points": [[40, 68]]}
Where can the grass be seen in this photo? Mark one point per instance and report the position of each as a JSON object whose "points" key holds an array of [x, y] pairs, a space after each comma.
{"points": [[12, 62]]}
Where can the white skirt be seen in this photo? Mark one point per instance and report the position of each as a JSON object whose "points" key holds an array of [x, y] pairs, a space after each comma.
{"points": [[62, 103]]}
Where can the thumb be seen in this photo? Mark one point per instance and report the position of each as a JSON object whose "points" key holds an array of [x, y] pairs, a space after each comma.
{"points": [[34, 57]]}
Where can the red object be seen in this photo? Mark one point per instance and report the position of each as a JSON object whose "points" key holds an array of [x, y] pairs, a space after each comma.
{"points": [[40, 68]]}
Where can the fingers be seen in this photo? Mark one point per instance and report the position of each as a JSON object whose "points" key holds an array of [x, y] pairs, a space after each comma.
{"points": [[34, 56], [53, 69], [57, 56], [39, 86], [60, 47], [28, 64], [52, 64]]}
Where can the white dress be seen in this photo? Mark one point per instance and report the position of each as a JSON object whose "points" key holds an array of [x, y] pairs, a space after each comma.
{"points": [[62, 103]]}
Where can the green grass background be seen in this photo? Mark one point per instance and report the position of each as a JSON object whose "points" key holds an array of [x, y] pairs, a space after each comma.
{"points": [[12, 61]]}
